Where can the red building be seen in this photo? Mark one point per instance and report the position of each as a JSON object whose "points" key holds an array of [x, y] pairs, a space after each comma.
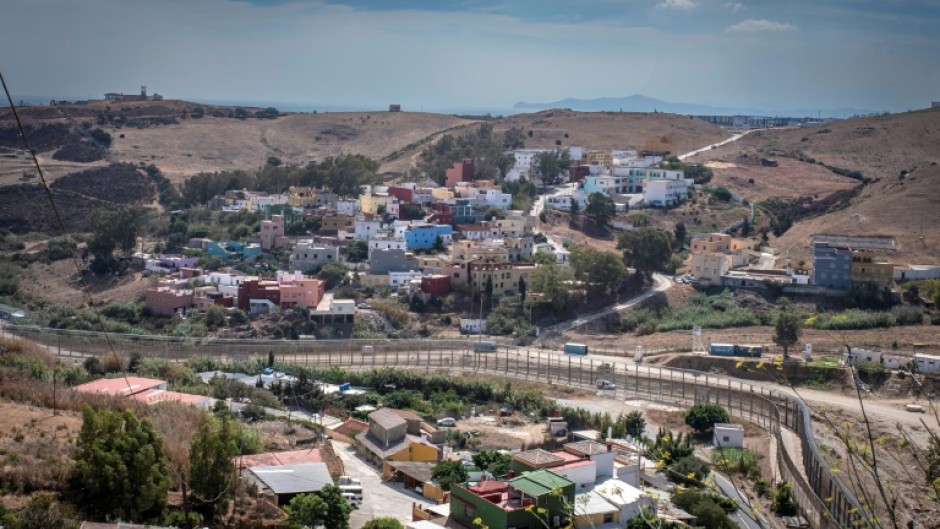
{"points": [[258, 289], [460, 172], [402, 193], [436, 285], [578, 172]]}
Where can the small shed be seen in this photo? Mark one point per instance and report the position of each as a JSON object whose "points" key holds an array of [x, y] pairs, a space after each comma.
{"points": [[728, 435], [394, 107], [287, 481]]}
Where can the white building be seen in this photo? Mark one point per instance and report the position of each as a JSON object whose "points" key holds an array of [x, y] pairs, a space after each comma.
{"points": [[665, 192], [563, 202], [398, 279], [347, 207], [927, 363], [629, 500], [472, 326], [367, 227], [523, 164], [727, 435], [913, 272], [309, 256], [386, 243]]}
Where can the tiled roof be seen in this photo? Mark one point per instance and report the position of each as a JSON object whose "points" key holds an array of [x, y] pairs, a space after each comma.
{"points": [[588, 448], [538, 457], [488, 486], [408, 415], [273, 459]]}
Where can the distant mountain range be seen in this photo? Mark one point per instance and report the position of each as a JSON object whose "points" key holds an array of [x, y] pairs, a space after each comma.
{"points": [[641, 103]]}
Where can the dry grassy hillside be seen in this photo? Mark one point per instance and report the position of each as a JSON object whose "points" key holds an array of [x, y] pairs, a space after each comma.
{"points": [[614, 130], [214, 144], [902, 206]]}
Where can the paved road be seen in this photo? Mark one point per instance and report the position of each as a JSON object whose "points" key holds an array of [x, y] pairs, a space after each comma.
{"points": [[378, 498], [743, 517], [663, 283]]}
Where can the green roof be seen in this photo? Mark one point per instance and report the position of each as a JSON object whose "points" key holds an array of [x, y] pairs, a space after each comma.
{"points": [[539, 483]]}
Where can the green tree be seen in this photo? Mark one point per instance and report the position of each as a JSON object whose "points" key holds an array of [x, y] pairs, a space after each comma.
{"points": [[635, 424], [514, 138], [680, 234], [549, 166], [215, 317], [722, 193], [554, 283], [522, 291], [113, 230], [602, 272], [333, 274], [44, 512], [383, 522], [357, 251], [496, 463], [120, 469], [701, 417], [600, 208], [788, 330], [575, 206], [449, 472], [647, 249], [327, 507], [212, 471], [783, 504]]}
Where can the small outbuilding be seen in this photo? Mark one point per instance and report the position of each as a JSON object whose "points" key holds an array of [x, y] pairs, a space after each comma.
{"points": [[728, 435], [286, 481]]}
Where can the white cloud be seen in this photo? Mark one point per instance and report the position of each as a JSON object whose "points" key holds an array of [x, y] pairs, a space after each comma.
{"points": [[734, 7], [755, 25], [677, 4]]}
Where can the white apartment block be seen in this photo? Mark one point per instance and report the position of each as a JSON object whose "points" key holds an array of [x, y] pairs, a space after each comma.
{"points": [[665, 193]]}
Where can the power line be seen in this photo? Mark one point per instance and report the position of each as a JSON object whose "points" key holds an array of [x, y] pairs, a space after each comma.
{"points": [[58, 217]]}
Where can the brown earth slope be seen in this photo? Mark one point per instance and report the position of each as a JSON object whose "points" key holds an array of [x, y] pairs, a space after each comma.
{"points": [[880, 148], [614, 130]]}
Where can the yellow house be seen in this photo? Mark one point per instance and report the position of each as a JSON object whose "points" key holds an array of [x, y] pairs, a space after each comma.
{"points": [[442, 194], [504, 276], [468, 250], [369, 203], [415, 452], [709, 267], [746, 243], [301, 197], [712, 242], [597, 158], [869, 269]]}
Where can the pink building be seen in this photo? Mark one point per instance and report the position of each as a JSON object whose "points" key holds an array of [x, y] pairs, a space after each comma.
{"points": [[300, 291], [164, 301], [460, 172], [271, 230]]}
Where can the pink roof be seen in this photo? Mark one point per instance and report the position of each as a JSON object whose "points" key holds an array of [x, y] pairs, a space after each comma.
{"points": [[277, 459], [123, 386], [154, 396], [488, 486], [573, 464], [567, 456]]}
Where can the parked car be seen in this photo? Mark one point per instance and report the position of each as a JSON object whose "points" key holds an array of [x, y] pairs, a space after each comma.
{"points": [[268, 371], [447, 422], [505, 411], [606, 384]]}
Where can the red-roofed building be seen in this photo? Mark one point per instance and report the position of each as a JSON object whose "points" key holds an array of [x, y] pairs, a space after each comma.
{"points": [[153, 396], [277, 459], [121, 387], [351, 427], [460, 172]]}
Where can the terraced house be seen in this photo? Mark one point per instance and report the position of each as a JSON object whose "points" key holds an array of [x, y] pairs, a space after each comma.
{"points": [[533, 500]]}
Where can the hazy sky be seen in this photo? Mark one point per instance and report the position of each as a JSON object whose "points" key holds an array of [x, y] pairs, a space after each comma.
{"points": [[771, 54]]}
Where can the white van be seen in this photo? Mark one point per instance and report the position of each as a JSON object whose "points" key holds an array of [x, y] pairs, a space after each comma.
{"points": [[353, 499]]}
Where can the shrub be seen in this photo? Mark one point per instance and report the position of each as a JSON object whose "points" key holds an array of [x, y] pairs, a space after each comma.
{"points": [[783, 504], [701, 417]]}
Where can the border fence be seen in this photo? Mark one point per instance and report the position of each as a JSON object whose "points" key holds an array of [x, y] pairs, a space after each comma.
{"points": [[824, 499]]}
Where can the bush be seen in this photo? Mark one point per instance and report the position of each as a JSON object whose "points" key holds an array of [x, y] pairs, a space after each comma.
{"points": [[702, 417], [689, 470], [908, 315], [783, 504], [722, 193]]}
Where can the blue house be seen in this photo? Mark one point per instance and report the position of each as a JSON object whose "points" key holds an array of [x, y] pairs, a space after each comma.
{"points": [[832, 266], [232, 250], [465, 213], [424, 237]]}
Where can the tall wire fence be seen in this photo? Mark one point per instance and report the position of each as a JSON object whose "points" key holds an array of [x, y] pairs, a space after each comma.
{"points": [[824, 499]]}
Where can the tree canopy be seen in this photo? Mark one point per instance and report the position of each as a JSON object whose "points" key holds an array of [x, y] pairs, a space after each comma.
{"points": [[120, 469], [602, 272], [550, 166], [702, 417], [487, 149], [788, 331], [327, 507], [448, 472], [496, 463], [600, 208], [113, 229], [647, 249], [554, 282], [211, 466], [383, 522]]}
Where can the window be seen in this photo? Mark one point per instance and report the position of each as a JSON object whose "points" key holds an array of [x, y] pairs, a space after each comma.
{"points": [[725, 439], [609, 518]]}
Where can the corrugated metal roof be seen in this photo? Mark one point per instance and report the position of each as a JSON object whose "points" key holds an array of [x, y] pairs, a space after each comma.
{"points": [[294, 479], [539, 482]]}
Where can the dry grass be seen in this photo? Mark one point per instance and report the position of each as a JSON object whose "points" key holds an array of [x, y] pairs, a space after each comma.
{"points": [[58, 283], [220, 144], [614, 130], [36, 447]]}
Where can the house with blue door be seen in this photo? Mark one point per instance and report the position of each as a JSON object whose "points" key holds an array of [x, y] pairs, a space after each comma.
{"points": [[424, 237]]}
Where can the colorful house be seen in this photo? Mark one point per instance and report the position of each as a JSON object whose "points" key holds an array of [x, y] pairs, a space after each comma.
{"points": [[425, 237], [534, 499]]}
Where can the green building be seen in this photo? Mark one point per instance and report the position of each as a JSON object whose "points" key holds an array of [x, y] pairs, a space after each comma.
{"points": [[530, 501]]}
